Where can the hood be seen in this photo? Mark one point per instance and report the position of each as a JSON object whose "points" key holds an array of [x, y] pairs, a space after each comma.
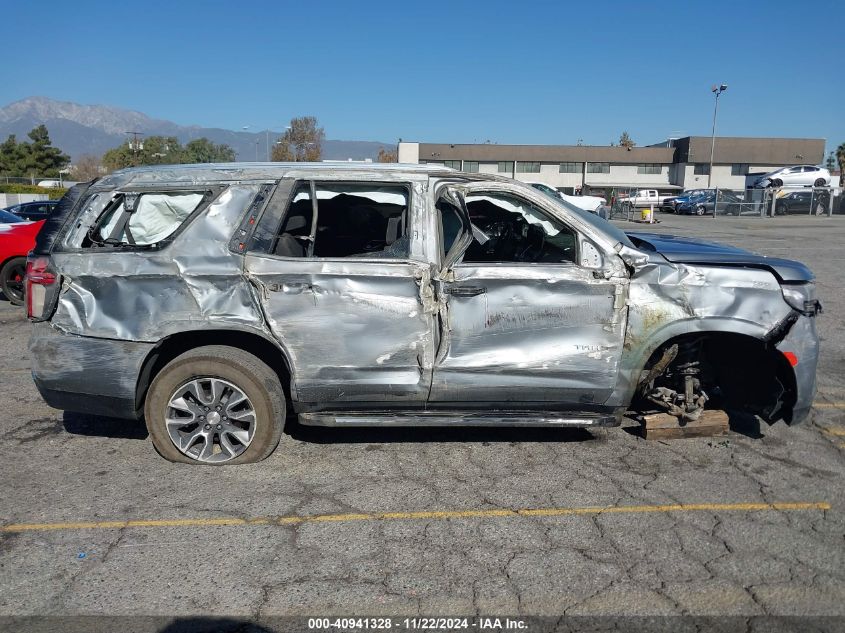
{"points": [[687, 250]]}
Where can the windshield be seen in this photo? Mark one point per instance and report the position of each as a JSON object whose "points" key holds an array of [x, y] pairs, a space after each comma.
{"points": [[9, 218]]}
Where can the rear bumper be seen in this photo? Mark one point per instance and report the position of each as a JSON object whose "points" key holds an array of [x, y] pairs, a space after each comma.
{"points": [[803, 341], [88, 375]]}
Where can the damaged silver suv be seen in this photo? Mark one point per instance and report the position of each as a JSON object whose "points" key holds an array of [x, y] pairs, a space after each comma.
{"points": [[212, 299]]}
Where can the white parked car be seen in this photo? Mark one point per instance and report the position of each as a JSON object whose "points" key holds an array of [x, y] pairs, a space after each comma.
{"points": [[806, 175], [587, 203]]}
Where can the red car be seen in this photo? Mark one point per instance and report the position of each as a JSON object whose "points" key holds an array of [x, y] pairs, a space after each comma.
{"points": [[17, 237]]}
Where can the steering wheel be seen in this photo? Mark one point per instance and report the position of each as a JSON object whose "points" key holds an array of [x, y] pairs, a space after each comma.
{"points": [[535, 240], [502, 239]]}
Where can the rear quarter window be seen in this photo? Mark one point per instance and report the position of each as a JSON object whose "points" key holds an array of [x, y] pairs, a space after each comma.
{"points": [[147, 218], [142, 219]]}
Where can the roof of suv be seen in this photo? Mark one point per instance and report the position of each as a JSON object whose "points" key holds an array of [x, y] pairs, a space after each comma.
{"points": [[211, 172]]}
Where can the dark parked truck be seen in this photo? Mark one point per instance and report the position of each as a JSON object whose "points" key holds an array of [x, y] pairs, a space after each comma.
{"points": [[212, 299]]}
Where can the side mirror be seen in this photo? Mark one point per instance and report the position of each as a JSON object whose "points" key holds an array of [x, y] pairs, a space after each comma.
{"points": [[632, 257]]}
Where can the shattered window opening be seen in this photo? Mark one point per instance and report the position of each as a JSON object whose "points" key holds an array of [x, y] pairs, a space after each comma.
{"points": [[143, 219], [352, 220], [517, 231]]}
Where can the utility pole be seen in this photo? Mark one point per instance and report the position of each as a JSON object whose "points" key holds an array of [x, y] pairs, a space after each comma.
{"points": [[717, 90], [135, 145]]}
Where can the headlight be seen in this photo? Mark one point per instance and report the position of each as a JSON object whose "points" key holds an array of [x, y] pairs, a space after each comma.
{"points": [[802, 298]]}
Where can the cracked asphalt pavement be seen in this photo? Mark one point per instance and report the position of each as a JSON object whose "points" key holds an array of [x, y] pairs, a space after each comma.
{"points": [[68, 468]]}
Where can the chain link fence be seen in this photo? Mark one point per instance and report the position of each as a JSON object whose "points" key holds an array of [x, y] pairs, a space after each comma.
{"points": [[731, 203]]}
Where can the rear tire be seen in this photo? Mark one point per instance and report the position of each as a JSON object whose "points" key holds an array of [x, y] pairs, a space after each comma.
{"points": [[11, 280], [777, 182], [699, 210], [820, 182], [238, 373]]}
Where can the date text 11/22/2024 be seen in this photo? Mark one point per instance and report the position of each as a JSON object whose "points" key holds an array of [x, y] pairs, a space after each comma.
{"points": [[419, 623]]}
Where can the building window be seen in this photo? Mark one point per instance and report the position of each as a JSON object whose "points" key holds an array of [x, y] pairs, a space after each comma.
{"points": [[701, 169], [471, 166], [505, 167], [571, 168], [650, 168], [528, 168], [598, 168], [454, 164], [739, 169]]}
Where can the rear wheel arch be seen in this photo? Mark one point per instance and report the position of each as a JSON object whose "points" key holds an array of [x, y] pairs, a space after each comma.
{"points": [[263, 348]]}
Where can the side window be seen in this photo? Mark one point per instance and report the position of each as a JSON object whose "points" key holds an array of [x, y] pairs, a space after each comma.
{"points": [[516, 231], [352, 220], [143, 219], [294, 238]]}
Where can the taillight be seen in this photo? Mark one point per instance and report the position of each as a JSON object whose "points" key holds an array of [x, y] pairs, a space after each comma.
{"points": [[41, 288]]}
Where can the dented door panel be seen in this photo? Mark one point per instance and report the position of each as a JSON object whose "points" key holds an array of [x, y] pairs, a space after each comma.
{"points": [[536, 334], [146, 295], [354, 330]]}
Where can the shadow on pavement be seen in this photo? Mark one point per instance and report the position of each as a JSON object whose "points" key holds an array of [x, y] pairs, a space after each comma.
{"points": [[95, 425], [387, 435], [745, 424]]}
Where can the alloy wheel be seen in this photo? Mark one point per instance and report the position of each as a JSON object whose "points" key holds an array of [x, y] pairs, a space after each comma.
{"points": [[210, 420]]}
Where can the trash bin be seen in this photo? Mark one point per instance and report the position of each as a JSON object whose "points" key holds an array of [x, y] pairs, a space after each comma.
{"points": [[647, 214]]}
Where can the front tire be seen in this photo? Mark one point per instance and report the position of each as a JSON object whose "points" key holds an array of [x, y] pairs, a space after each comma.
{"points": [[215, 405], [12, 280], [820, 182]]}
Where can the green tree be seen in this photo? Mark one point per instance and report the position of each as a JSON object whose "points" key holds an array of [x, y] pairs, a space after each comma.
{"points": [[201, 150], [840, 158], [38, 158], [303, 141], [42, 159], [626, 141], [165, 150], [11, 157]]}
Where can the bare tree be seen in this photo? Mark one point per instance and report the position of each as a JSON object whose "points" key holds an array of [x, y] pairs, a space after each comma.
{"points": [[303, 141], [387, 156], [87, 167], [626, 141]]}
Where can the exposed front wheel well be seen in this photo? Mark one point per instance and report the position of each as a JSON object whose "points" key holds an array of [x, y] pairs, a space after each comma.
{"points": [[175, 345], [732, 371]]}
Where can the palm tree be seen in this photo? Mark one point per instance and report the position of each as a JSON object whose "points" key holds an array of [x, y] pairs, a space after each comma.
{"points": [[840, 157]]}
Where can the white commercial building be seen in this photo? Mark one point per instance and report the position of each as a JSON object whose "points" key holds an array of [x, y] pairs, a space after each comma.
{"points": [[673, 165]]}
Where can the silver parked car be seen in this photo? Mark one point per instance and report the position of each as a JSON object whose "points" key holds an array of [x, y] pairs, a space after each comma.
{"points": [[212, 299], [802, 175]]}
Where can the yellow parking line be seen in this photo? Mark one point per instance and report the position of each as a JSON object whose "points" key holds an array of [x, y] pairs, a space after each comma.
{"points": [[834, 431], [829, 405], [426, 514]]}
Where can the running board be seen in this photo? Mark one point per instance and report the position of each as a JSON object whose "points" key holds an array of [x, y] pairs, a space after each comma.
{"points": [[574, 419]]}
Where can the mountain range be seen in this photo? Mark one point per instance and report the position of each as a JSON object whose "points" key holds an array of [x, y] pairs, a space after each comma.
{"points": [[92, 129]]}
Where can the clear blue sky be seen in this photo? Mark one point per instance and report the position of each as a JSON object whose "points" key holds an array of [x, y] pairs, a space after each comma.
{"points": [[511, 72]]}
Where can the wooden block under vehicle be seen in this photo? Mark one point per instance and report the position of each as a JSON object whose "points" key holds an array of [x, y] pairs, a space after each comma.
{"points": [[662, 426]]}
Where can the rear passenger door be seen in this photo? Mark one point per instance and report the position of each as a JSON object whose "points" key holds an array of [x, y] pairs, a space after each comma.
{"points": [[346, 290]]}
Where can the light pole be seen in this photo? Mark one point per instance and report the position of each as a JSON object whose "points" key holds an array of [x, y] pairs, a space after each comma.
{"points": [[717, 90]]}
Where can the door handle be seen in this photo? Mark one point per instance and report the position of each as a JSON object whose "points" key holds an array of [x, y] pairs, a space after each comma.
{"points": [[465, 291]]}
